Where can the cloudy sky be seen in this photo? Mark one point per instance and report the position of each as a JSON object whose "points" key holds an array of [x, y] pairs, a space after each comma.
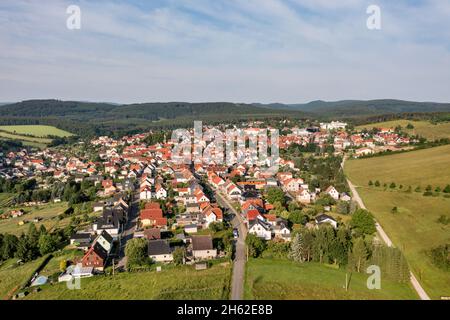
{"points": [[225, 50]]}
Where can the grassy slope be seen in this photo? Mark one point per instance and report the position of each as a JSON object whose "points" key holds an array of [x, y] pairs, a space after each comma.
{"points": [[47, 212], [422, 167], [422, 128], [172, 283], [414, 228], [287, 280], [36, 130], [12, 276]]}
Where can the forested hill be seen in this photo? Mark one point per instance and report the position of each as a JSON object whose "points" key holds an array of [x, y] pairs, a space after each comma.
{"points": [[86, 118], [358, 108]]}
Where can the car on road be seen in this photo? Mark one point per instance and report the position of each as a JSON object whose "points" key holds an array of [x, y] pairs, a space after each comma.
{"points": [[235, 233]]}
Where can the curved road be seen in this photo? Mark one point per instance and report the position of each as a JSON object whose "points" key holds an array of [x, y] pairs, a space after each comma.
{"points": [[415, 283]]}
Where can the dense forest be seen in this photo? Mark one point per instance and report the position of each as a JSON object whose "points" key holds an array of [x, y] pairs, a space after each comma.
{"points": [[89, 119], [93, 119]]}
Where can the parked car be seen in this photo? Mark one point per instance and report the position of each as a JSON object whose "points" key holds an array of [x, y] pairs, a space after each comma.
{"points": [[235, 233]]}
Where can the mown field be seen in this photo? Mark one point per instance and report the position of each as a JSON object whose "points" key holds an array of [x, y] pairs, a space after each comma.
{"points": [[32, 135], [414, 227], [288, 280], [416, 168], [36, 130], [183, 283], [13, 276], [47, 212], [422, 128]]}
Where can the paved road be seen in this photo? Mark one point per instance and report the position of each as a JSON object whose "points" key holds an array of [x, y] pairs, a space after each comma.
{"points": [[240, 256], [129, 229], [420, 291]]}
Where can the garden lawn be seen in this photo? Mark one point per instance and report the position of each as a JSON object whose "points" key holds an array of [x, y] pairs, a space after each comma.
{"points": [[183, 283], [288, 280]]}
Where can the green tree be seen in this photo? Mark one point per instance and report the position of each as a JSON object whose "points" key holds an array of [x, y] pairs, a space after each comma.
{"points": [[255, 245], [9, 246], [362, 221], [447, 189], [25, 251], [178, 255], [47, 243], [297, 251], [276, 195], [297, 217], [359, 254], [63, 265], [377, 183], [136, 252]]}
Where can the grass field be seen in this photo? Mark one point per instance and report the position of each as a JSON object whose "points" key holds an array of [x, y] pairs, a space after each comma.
{"points": [[36, 130], [46, 212], [183, 283], [422, 167], [414, 229], [12, 276], [32, 135], [422, 128], [288, 280]]}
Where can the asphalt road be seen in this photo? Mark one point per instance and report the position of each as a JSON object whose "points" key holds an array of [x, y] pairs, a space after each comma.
{"points": [[240, 256], [129, 229], [415, 283]]}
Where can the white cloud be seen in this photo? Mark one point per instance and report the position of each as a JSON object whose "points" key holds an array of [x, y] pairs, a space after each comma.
{"points": [[228, 50]]}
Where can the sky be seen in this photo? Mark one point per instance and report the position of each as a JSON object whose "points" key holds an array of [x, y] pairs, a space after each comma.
{"points": [[287, 51]]}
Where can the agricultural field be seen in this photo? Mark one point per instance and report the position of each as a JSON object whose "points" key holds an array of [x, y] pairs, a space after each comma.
{"points": [[36, 131], [32, 135], [422, 128], [414, 227], [415, 168], [182, 283], [48, 213], [289, 280], [13, 276]]}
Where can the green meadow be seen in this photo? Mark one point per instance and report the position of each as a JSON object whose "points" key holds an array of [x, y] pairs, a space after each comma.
{"points": [[414, 225]]}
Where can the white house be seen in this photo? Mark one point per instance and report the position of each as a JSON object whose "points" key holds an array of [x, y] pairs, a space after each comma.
{"points": [[260, 229], [161, 193], [323, 218], [146, 193], [332, 192], [159, 251]]}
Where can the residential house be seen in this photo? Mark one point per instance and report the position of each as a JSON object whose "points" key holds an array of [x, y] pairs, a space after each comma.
{"points": [[159, 251], [202, 248]]}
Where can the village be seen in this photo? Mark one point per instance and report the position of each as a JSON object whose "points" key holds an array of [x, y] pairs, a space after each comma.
{"points": [[187, 214]]}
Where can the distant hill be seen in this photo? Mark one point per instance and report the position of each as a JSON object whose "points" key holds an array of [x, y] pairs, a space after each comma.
{"points": [[91, 118], [105, 118], [358, 108]]}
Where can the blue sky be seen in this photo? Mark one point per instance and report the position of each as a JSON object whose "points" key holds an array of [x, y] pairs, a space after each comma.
{"points": [[225, 50]]}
